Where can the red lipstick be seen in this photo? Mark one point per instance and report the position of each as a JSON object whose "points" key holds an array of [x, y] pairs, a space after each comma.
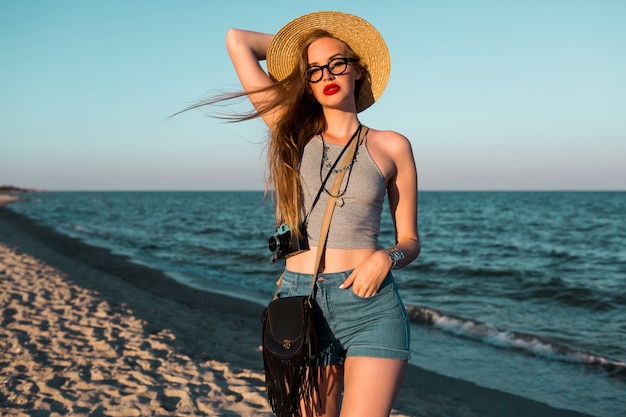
{"points": [[331, 89]]}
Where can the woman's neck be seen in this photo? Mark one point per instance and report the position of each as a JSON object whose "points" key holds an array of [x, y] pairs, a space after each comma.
{"points": [[340, 126]]}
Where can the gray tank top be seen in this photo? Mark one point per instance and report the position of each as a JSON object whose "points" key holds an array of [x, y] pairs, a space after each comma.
{"points": [[356, 223]]}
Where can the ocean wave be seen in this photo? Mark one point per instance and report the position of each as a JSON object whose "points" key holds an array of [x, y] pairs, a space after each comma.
{"points": [[79, 228], [561, 291], [484, 272], [528, 343]]}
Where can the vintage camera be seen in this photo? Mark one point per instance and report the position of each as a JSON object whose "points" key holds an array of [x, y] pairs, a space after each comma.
{"points": [[285, 244]]}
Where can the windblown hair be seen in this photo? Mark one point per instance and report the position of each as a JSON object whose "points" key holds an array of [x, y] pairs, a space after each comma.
{"points": [[301, 118]]}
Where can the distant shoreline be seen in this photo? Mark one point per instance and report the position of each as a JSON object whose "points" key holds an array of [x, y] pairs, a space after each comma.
{"points": [[9, 193], [7, 198]]}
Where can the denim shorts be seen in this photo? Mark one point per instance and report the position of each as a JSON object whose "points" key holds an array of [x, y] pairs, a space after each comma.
{"points": [[349, 325]]}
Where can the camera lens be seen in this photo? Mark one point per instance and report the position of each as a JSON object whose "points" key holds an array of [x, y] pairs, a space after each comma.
{"points": [[273, 243]]}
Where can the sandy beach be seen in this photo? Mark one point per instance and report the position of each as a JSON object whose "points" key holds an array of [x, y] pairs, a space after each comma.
{"points": [[87, 333]]}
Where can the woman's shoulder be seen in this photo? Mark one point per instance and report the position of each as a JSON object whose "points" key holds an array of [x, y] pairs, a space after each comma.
{"points": [[390, 140], [390, 150]]}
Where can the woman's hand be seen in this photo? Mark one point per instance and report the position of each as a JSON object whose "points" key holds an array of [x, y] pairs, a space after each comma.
{"points": [[367, 277]]}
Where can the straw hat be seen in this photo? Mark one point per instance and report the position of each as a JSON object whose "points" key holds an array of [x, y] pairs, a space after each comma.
{"points": [[283, 52]]}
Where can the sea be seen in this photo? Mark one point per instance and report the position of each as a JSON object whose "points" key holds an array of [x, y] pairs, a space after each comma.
{"points": [[524, 292]]}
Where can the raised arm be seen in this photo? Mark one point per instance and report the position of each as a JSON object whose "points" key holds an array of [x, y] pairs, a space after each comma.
{"points": [[246, 49]]}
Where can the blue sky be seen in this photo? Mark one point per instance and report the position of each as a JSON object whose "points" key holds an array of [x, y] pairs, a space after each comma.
{"points": [[506, 95]]}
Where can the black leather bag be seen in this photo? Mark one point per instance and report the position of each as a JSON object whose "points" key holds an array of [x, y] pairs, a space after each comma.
{"points": [[291, 354]]}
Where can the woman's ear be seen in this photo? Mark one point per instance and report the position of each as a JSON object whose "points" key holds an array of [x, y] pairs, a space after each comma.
{"points": [[359, 74]]}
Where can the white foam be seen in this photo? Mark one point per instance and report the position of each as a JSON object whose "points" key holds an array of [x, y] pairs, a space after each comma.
{"points": [[489, 334]]}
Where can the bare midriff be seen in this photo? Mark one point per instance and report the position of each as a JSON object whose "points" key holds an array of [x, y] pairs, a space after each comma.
{"points": [[334, 260]]}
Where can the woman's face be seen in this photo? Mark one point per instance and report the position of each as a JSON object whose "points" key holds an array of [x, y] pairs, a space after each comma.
{"points": [[331, 76]]}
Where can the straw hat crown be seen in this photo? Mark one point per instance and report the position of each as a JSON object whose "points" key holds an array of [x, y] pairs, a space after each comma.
{"points": [[283, 52]]}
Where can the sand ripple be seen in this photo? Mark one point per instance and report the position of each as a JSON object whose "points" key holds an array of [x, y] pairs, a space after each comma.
{"points": [[67, 351]]}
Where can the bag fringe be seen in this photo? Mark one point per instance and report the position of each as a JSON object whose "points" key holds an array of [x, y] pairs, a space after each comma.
{"points": [[288, 381]]}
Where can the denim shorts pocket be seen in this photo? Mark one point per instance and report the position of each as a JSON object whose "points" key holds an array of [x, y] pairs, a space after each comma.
{"points": [[287, 288], [386, 287], [296, 288]]}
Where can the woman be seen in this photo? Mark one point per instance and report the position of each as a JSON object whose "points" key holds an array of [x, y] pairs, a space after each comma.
{"points": [[324, 68]]}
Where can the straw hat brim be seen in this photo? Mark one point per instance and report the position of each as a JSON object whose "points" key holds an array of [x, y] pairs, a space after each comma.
{"points": [[283, 52]]}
